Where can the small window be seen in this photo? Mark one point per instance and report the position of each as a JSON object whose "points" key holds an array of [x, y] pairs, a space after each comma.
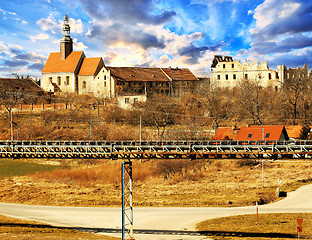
{"points": [[104, 84], [105, 77], [270, 76], [246, 76], [234, 76], [135, 100], [226, 77], [249, 135], [223, 65], [50, 79], [67, 80], [84, 84], [232, 65], [59, 81], [127, 100], [218, 77], [267, 135]]}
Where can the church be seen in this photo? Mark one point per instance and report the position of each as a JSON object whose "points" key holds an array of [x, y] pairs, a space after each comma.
{"points": [[72, 72]]}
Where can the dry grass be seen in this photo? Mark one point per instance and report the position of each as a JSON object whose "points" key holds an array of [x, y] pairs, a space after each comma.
{"points": [[12, 228], [108, 174], [269, 226], [216, 183]]}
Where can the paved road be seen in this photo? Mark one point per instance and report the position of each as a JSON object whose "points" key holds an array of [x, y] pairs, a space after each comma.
{"points": [[151, 223]]}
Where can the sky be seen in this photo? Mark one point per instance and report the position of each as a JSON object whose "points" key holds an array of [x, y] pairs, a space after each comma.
{"points": [[156, 33]]}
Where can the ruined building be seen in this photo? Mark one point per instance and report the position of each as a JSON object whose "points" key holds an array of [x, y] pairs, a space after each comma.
{"points": [[225, 72]]}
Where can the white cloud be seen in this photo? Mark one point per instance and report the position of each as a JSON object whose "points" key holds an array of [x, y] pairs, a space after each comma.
{"points": [[48, 23], [3, 47], [6, 13], [41, 36], [78, 45], [270, 11], [76, 26], [15, 46]]}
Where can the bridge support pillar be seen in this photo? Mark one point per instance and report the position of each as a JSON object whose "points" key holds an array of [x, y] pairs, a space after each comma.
{"points": [[127, 208]]}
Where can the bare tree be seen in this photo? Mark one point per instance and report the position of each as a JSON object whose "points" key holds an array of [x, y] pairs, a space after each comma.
{"points": [[293, 92], [217, 102], [251, 100]]}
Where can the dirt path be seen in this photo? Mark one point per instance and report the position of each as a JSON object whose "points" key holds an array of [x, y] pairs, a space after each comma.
{"points": [[151, 223]]}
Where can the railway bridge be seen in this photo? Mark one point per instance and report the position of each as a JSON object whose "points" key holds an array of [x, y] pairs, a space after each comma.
{"points": [[154, 149]]}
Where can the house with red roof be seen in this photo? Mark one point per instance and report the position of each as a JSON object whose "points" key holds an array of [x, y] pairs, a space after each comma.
{"points": [[226, 133], [253, 133], [262, 133], [71, 71]]}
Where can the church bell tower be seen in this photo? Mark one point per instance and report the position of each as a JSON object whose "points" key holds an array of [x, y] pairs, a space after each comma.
{"points": [[66, 44]]}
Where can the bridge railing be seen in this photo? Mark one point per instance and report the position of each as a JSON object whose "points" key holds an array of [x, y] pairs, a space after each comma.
{"points": [[153, 149]]}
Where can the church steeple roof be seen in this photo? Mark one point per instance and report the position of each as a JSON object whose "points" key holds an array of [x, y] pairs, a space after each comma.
{"points": [[66, 28], [66, 45]]}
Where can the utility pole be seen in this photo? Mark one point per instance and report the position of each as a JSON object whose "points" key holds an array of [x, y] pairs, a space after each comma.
{"points": [[262, 174], [262, 133], [12, 130], [140, 127]]}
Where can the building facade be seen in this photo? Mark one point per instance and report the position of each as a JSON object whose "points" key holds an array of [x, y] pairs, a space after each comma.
{"points": [[291, 74], [225, 72], [71, 71], [228, 73]]}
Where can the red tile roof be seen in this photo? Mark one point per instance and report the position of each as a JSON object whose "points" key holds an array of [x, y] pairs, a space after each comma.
{"points": [[91, 66], [137, 74], [24, 85], [257, 133], [180, 74], [226, 133], [70, 64], [152, 74], [294, 131]]}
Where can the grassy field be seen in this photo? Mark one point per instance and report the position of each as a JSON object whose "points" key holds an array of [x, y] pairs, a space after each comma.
{"points": [[269, 227], [189, 183], [192, 184], [12, 228], [11, 168]]}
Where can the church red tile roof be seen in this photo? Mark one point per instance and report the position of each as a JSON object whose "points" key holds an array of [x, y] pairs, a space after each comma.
{"points": [[91, 66], [70, 64]]}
